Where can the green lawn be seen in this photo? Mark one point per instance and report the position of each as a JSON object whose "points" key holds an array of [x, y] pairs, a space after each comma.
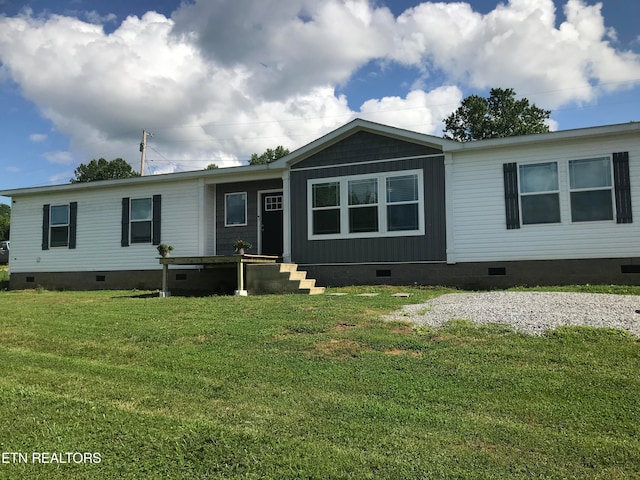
{"points": [[4, 278], [305, 387]]}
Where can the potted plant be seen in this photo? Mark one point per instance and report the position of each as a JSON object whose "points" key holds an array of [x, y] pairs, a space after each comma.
{"points": [[240, 246], [164, 249]]}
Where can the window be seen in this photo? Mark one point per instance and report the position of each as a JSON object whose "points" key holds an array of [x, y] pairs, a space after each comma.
{"points": [[273, 203], [359, 206], [589, 189], [363, 205], [326, 208], [235, 207], [141, 220], [539, 193], [590, 184], [59, 225], [402, 203]]}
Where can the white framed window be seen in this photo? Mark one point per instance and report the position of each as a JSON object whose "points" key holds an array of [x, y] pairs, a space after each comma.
{"points": [[59, 226], [591, 189], [235, 209], [403, 204], [141, 220], [539, 193], [363, 205], [325, 204], [359, 206], [273, 203]]}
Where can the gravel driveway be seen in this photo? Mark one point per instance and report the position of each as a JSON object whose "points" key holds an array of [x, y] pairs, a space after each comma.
{"points": [[528, 312]]}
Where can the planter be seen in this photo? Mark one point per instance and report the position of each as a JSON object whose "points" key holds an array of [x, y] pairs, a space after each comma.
{"points": [[240, 251]]}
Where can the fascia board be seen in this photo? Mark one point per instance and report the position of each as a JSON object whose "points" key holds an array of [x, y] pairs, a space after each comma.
{"points": [[220, 175], [561, 135]]}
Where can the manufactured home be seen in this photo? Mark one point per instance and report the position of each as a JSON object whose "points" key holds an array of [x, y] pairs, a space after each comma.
{"points": [[365, 204]]}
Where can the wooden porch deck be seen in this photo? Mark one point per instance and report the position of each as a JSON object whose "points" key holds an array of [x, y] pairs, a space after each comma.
{"points": [[211, 261]]}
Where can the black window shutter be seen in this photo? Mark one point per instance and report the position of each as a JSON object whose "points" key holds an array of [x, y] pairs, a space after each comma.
{"points": [[45, 227], [125, 222], [512, 209], [73, 223], [157, 215], [622, 187]]}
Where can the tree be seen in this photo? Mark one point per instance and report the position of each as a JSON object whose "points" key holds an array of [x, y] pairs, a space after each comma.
{"points": [[211, 166], [269, 155], [500, 115], [103, 170], [5, 221]]}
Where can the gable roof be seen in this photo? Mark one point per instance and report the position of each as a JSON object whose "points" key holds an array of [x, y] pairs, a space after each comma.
{"points": [[360, 125]]}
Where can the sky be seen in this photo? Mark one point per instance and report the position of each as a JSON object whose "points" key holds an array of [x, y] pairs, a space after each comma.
{"points": [[217, 80]]}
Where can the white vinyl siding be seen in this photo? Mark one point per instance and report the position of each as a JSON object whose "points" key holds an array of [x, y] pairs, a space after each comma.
{"points": [[385, 204], [99, 229], [478, 228]]}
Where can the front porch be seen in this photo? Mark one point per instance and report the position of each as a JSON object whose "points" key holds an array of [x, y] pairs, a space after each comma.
{"points": [[276, 278]]}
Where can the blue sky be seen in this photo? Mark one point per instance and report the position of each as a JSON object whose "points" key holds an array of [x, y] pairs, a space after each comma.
{"points": [[217, 81]]}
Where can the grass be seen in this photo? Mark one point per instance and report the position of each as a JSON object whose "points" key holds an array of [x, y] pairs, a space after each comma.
{"points": [[4, 277], [307, 387]]}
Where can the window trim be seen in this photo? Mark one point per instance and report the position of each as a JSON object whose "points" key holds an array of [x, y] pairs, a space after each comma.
{"points": [[611, 188], [557, 192], [59, 225], [381, 205], [273, 202], [226, 212], [149, 219], [619, 187]]}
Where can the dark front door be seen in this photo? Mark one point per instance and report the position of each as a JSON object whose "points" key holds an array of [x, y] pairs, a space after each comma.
{"points": [[271, 219]]}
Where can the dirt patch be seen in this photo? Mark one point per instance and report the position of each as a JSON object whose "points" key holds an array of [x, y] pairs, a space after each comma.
{"points": [[343, 326], [398, 351], [403, 329], [339, 347]]}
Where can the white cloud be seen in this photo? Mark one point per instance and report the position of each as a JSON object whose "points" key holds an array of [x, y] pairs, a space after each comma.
{"points": [[13, 169], [419, 111], [288, 47], [38, 137], [96, 18], [220, 80], [517, 45], [62, 158], [63, 177]]}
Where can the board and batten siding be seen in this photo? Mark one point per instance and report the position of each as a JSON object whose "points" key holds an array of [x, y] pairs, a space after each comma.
{"points": [[98, 240], [411, 248], [478, 206], [363, 147]]}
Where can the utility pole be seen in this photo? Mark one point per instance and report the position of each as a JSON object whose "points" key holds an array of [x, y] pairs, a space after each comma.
{"points": [[143, 149]]}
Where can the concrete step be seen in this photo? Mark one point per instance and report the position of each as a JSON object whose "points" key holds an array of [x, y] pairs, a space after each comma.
{"points": [[279, 278]]}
